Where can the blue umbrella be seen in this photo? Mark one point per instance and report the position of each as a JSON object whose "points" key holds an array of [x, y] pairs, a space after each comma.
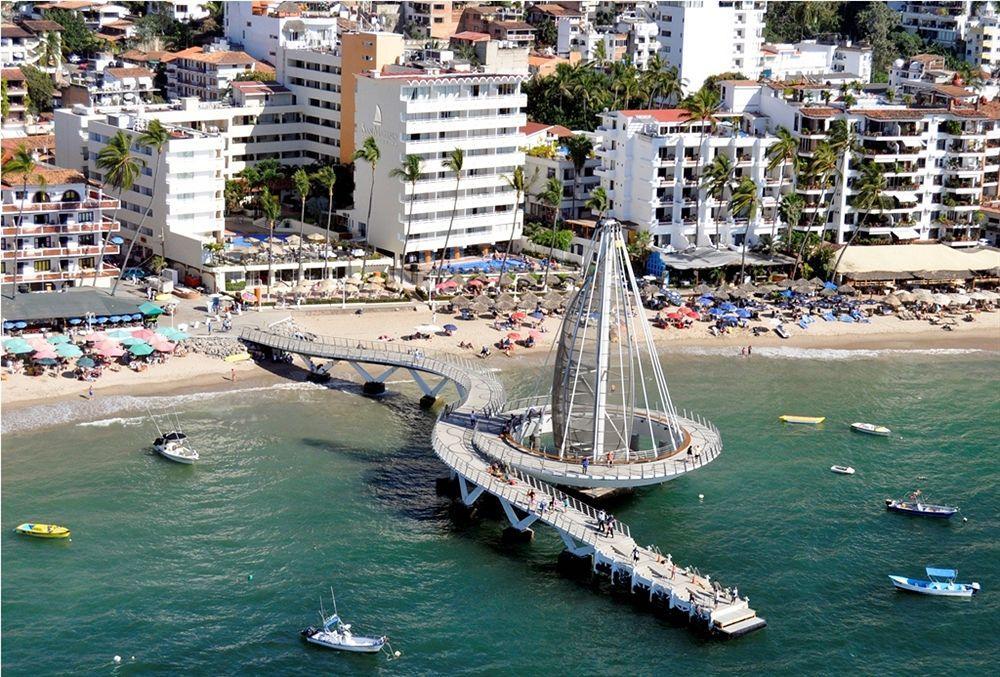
{"points": [[703, 301], [788, 293], [137, 316], [17, 346], [85, 362], [115, 318], [450, 327], [728, 307], [101, 320], [20, 325], [140, 349], [716, 312], [76, 320], [47, 361], [56, 339], [8, 325], [68, 350], [744, 313]]}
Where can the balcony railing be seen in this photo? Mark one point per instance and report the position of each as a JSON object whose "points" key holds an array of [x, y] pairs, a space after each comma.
{"points": [[31, 229], [58, 252]]}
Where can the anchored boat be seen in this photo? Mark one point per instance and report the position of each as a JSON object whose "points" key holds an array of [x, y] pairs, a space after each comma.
{"points": [[916, 507], [942, 584], [870, 429], [810, 420], [42, 530], [842, 469], [173, 444], [333, 633]]}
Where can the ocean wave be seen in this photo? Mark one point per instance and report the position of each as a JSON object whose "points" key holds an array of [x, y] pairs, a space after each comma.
{"points": [[789, 353], [104, 411]]}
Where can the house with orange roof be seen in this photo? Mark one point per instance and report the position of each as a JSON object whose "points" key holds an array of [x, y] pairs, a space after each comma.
{"points": [[206, 72]]}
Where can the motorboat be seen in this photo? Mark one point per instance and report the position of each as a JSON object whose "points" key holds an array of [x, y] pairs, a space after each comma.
{"points": [[781, 331], [842, 469], [916, 507], [810, 420], [870, 429], [333, 633], [941, 584], [42, 530], [173, 446]]}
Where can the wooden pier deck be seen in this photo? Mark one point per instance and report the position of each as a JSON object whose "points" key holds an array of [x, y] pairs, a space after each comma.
{"points": [[667, 586]]}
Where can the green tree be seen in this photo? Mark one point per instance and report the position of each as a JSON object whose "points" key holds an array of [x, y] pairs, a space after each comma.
{"points": [[40, 88], [302, 183], [877, 22], [552, 197], [120, 170], [546, 34], [327, 178], [455, 162], [746, 202], [870, 196], [790, 211], [4, 102], [21, 162], [368, 152], [272, 211], [822, 166], [51, 55], [154, 137], [579, 149], [702, 107], [234, 193], [598, 202], [717, 182], [409, 173], [517, 182], [795, 21], [780, 154], [254, 76], [76, 38]]}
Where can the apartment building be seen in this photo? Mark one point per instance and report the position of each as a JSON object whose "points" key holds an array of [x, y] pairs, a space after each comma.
{"points": [[207, 72], [179, 10], [650, 167], [437, 19], [111, 85], [58, 241], [642, 41], [982, 39], [261, 29], [942, 22], [430, 113], [95, 13], [17, 93], [33, 42], [736, 28], [545, 158], [841, 62]]}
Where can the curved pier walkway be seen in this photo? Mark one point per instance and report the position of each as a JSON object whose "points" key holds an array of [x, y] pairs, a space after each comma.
{"points": [[680, 592]]}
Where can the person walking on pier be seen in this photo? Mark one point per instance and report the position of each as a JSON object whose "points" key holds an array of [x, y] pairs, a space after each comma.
{"points": [[635, 554], [601, 519], [586, 464]]}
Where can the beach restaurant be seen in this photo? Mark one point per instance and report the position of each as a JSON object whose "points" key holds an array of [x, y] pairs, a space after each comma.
{"points": [[704, 258], [891, 265], [71, 308]]}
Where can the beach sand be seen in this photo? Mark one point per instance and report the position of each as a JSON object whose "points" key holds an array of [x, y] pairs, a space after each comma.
{"points": [[196, 372]]}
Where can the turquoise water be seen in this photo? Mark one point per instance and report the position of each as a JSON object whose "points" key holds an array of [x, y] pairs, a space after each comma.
{"points": [[213, 569]]}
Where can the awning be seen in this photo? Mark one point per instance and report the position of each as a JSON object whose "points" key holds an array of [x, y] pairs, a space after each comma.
{"points": [[710, 257], [942, 573], [912, 142], [906, 195], [906, 233]]}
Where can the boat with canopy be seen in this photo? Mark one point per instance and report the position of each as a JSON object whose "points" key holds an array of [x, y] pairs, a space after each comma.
{"points": [[941, 584]]}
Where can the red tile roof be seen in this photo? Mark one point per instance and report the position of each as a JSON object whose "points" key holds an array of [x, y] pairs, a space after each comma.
{"points": [[660, 115], [47, 174], [130, 72], [471, 36], [12, 75]]}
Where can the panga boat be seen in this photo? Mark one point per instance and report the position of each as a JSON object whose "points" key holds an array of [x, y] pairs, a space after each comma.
{"points": [[942, 583], [43, 530], [842, 469], [870, 429], [335, 634], [916, 507], [813, 420]]}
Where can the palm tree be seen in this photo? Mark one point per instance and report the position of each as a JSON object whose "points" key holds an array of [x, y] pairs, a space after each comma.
{"points": [[785, 150], [408, 172], [746, 200], [327, 178], [598, 202], [552, 197], [155, 136], [579, 148], [454, 163], [272, 210], [702, 107], [870, 196], [370, 153], [302, 184], [21, 162], [515, 181], [790, 211], [718, 178], [120, 169], [821, 167]]}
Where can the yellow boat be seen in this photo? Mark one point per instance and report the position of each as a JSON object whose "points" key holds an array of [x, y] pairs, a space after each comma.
{"points": [[238, 357], [812, 420], [43, 530]]}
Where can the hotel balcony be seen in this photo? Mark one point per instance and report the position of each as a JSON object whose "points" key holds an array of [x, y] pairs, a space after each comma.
{"points": [[28, 276], [29, 253], [30, 229]]}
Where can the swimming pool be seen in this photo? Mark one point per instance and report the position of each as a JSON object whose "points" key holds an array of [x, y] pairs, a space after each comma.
{"points": [[485, 266]]}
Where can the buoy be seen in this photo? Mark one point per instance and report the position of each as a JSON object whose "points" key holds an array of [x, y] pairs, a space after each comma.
{"points": [[965, 519], [117, 659], [701, 497], [249, 577], [398, 654]]}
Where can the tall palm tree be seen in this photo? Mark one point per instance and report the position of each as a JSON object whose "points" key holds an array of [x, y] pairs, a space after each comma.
{"points": [[717, 181], [746, 200], [702, 107], [780, 154], [120, 169], [790, 211], [370, 153], [271, 210], [598, 202], [21, 162], [552, 197], [579, 148], [453, 163], [821, 167], [327, 178], [155, 136], [870, 197], [302, 184], [408, 172], [517, 182]]}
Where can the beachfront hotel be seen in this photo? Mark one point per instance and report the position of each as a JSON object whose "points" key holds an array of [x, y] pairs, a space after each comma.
{"points": [[430, 113], [57, 243]]}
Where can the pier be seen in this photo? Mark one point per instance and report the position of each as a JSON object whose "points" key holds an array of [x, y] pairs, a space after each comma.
{"points": [[466, 436]]}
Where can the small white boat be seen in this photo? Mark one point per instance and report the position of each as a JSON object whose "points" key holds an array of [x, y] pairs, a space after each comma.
{"points": [[842, 469], [871, 429], [335, 634], [941, 584], [174, 446]]}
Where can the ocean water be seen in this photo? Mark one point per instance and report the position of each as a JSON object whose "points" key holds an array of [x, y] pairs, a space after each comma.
{"points": [[213, 569]]}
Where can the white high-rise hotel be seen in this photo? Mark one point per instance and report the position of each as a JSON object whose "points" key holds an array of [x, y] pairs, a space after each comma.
{"points": [[709, 37], [430, 114]]}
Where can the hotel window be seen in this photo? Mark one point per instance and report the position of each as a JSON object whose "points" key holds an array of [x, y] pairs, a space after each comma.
{"points": [[43, 266]]}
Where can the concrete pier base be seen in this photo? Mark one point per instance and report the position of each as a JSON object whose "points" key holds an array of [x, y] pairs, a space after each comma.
{"points": [[318, 377], [428, 401], [373, 388], [512, 536]]}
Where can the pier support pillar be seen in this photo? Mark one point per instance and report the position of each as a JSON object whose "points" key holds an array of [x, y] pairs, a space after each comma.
{"points": [[428, 402], [445, 486], [575, 566], [512, 536], [374, 385], [429, 391], [516, 521], [469, 495], [373, 388]]}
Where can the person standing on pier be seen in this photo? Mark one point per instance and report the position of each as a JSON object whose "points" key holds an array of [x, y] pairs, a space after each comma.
{"points": [[635, 554], [586, 464]]}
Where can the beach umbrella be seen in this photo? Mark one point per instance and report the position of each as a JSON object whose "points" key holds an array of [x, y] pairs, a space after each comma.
{"points": [[690, 312], [38, 343], [56, 339], [893, 301], [110, 351], [978, 296], [46, 361], [721, 296], [163, 346], [534, 335], [960, 300], [8, 325], [942, 299], [827, 292], [513, 336], [702, 289], [119, 334], [905, 296], [48, 353], [103, 345], [315, 237], [674, 316], [17, 346], [68, 350], [704, 301], [86, 362], [450, 327], [727, 307], [716, 312], [786, 284], [788, 293], [140, 349], [131, 341], [538, 315], [293, 239], [518, 316], [529, 300], [846, 289], [744, 313], [150, 309], [144, 334], [75, 320], [20, 325], [461, 302]]}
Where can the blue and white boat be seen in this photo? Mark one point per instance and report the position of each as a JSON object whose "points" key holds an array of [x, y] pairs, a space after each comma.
{"points": [[917, 507], [942, 584]]}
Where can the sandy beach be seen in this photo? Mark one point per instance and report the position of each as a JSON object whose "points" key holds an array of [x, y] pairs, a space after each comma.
{"points": [[197, 372]]}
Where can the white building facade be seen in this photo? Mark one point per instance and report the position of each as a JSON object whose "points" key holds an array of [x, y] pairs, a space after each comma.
{"points": [[261, 30], [430, 114], [941, 22], [810, 58]]}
